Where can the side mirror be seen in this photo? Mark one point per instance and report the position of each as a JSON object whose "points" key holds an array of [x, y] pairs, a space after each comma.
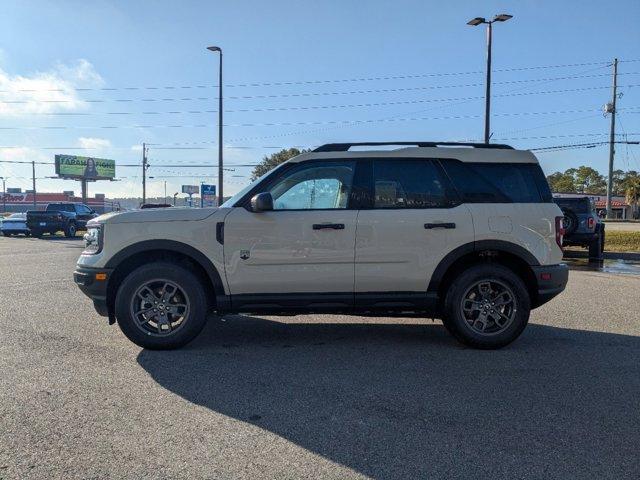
{"points": [[262, 202]]}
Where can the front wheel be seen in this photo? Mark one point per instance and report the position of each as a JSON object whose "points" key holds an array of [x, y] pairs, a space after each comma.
{"points": [[487, 306], [161, 306]]}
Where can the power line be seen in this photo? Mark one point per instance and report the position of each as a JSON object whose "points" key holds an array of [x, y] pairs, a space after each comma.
{"points": [[296, 95], [308, 82], [280, 124]]}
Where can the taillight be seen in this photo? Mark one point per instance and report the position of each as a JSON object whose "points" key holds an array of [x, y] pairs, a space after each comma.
{"points": [[559, 231], [591, 222]]}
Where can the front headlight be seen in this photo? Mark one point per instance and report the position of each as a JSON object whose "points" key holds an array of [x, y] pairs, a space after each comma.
{"points": [[93, 240]]}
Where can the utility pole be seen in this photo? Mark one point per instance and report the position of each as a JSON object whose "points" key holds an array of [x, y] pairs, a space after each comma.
{"points": [[4, 194], [611, 108], [144, 173], [33, 177]]}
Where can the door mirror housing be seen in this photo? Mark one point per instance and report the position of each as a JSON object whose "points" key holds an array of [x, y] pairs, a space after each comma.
{"points": [[262, 202]]}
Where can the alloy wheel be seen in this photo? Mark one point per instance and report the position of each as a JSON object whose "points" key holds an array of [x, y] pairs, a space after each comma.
{"points": [[489, 307], [160, 307]]}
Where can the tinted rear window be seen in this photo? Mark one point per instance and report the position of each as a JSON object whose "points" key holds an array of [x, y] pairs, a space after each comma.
{"points": [[578, 205], [499, 182]]}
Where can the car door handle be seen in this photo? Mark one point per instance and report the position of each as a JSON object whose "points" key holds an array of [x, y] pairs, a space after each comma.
{"points": [[330, 226], [429, 226]]}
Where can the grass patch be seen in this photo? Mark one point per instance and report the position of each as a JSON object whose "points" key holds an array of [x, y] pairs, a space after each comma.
{"points": [[620, 241]]}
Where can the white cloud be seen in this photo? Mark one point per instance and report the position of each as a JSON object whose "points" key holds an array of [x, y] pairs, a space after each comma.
{"points": [[94, 143], [23, 154], [47, 92]]}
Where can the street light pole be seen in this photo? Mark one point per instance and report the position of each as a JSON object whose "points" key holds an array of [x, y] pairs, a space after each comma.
{"points": [[33, 176], [487, 102], [220, 111]]}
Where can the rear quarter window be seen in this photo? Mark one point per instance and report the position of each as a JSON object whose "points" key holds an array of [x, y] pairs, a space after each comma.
{"points": [[499, 182]]}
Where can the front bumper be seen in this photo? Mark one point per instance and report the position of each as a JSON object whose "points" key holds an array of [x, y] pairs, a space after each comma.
{"points": [[552, 279], [93, 283]]}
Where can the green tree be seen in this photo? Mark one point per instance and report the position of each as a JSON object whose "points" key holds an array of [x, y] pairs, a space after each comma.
{"points": [[561, 182], [588, 180], [270, 162], [630, 187], [618, 177]]}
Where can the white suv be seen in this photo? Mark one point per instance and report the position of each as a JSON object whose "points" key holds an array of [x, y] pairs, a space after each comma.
{"points": [[464, 232]]}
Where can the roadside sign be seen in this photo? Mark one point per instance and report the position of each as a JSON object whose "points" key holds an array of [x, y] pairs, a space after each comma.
{"points": [[190, 189], [87, 168], [207, 195]]}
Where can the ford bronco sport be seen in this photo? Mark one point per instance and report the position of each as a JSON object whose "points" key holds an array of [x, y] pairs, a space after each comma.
{"points": [[467, 233]]}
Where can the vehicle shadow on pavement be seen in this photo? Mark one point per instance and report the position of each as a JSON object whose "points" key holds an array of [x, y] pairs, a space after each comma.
{"points": [[407, 401]]}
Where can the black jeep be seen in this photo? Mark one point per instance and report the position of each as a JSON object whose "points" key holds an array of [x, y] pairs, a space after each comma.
{"points": [[582, 225]]}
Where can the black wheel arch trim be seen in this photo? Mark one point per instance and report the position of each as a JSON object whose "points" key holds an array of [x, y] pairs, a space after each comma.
{"points": [[178, 247], [467, 248]]}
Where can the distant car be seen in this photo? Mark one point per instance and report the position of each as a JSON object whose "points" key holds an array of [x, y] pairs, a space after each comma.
{"points": [[68, 217], [582, 225], [14, 224]]}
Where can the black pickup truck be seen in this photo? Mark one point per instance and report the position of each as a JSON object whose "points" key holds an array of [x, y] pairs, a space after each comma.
{"points": [[66, 217]]}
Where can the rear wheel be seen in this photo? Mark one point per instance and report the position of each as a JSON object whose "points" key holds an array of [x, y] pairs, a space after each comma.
{"points": [[596, 247], [487, 306], [70, 231], [6, 234], [161, 306]]}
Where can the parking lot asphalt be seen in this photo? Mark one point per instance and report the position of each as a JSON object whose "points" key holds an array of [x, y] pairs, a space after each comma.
{"points": [[313, 396]]}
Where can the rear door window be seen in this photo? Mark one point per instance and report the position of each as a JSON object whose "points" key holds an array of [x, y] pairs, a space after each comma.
{"points": [[409, 183]]}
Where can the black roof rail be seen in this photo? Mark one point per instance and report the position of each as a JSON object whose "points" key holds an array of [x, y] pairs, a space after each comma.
{"points": [[344, 147]]}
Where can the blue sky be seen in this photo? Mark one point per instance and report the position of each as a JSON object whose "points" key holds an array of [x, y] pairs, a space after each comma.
{"points": [[322, 70]]}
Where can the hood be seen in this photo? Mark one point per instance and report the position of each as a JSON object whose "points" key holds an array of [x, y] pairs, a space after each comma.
{"points": [[171, 214]]}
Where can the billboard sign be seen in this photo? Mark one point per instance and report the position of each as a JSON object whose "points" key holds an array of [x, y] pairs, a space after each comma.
{"points": [[87, 168], [190, 189], [207, 195]]}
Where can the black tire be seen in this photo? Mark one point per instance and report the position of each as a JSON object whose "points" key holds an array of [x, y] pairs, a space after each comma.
{"points": [[36, 234], [140, 333], [570, 221], [6, 234], [596, 247], [458, 322], [71, 230]]}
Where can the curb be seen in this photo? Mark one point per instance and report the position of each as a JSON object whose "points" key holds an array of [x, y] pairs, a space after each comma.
{"points": [[633, 256]]}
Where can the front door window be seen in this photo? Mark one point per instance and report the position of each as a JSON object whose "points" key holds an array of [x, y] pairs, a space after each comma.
{"points": [[315, 186]]}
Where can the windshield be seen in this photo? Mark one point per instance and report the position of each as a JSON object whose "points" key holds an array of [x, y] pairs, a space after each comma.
{"points": [[233, 200]]}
